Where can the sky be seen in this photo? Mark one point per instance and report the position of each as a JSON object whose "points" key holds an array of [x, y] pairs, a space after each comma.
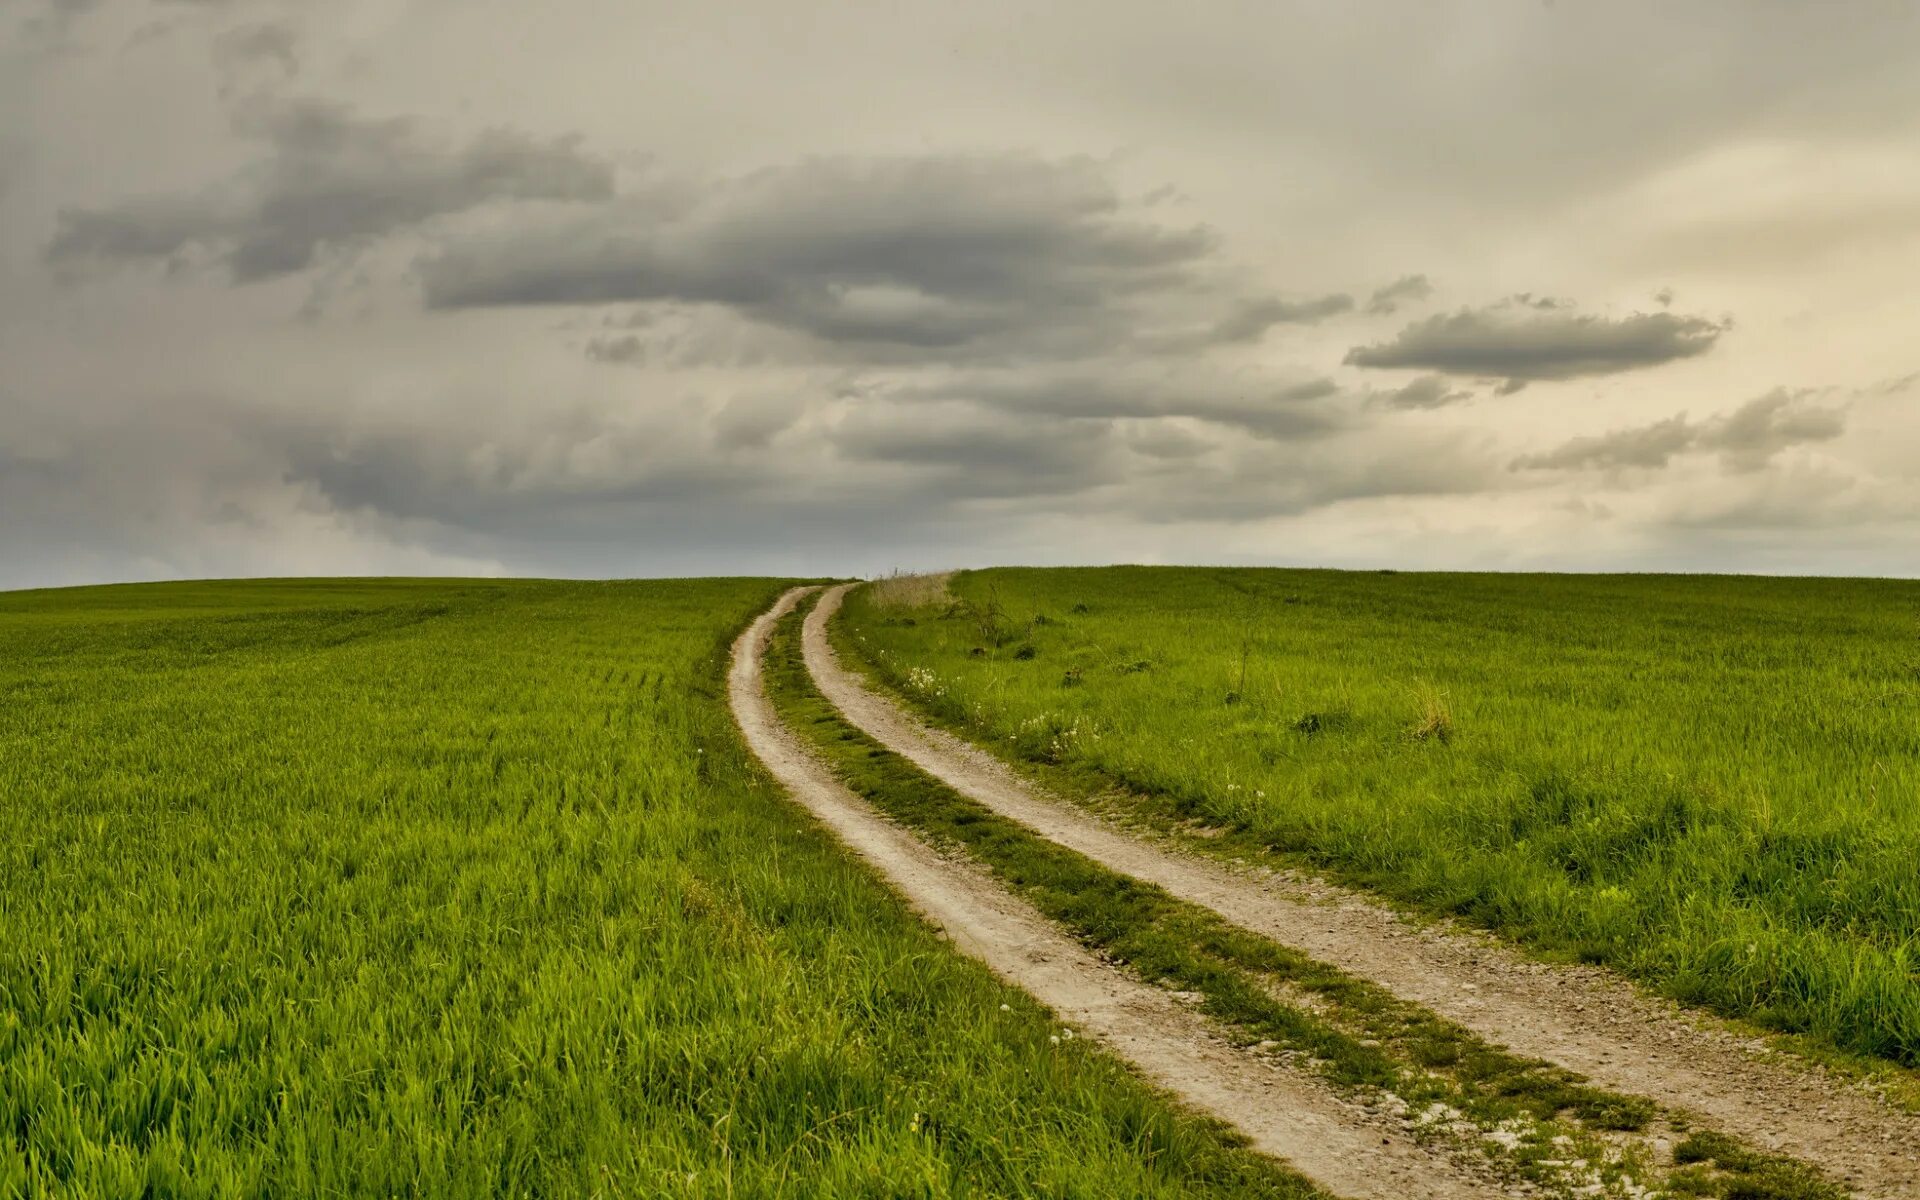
{"points": [[614, 288]]}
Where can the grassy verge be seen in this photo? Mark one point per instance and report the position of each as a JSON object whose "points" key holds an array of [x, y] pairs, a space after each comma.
{"points": [[468, 889], [1534, 1121], [1704, 783]]}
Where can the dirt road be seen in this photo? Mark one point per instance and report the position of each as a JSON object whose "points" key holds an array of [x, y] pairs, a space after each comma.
{"points": [[1286, 1114], [1584, 1019]]}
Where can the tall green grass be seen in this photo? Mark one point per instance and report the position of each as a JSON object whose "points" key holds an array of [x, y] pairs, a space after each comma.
{"points": [[364, 888], [1711, 783]]}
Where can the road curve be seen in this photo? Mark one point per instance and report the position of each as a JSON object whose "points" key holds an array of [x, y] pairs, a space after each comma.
{"points": [[1584, 1019], [1285, 1114]]}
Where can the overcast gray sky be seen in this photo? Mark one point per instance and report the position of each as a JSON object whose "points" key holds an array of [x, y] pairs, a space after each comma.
{"points": [[611, 287]]}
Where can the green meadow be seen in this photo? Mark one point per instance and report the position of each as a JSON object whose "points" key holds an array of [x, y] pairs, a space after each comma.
{"points": [[465, 888], [1710, 783]]}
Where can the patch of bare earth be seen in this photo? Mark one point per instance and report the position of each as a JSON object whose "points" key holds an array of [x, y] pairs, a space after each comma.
{"points": [[1285, 1113], [1584, 1019]]}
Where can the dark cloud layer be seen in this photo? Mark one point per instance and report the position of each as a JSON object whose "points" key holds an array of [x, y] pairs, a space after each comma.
{"points": [[1533, 339], [627, 348], [1746, 438], [964, 453], [1428, 391], [1408, 289], [328, 178], [914, 255], [1255, 317], [1291, 410]]}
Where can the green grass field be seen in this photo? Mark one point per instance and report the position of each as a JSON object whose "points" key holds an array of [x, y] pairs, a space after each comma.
{"points": [[363, 888], [1712, 783]]}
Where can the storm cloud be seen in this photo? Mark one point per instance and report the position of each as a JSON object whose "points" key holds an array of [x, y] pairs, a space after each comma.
{"points": [[1256, 317], [1746, 438], [916, 255], [1428, 391], [328, 178], [1530, 340], [1408, 289], [1268, 408]]}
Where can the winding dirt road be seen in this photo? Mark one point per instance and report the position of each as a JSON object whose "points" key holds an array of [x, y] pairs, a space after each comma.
{"points": [[1584, 1019], [1341, 1146]]}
